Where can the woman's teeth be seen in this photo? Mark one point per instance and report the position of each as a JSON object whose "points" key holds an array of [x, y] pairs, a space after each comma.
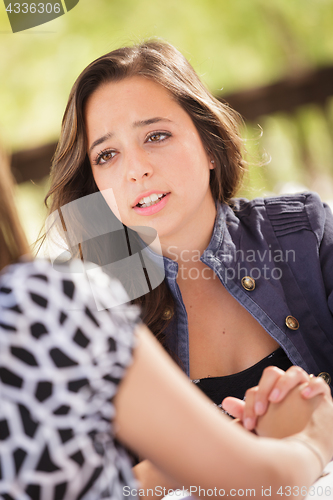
{"points": [[147, 201]]}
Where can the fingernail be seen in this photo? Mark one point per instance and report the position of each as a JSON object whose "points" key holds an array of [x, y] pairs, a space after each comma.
{"points": [[259, 408], [249, 423], [274, 395]]}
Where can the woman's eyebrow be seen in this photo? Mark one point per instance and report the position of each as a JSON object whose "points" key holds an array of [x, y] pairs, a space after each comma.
{"points": [[100, 140], [142, 123]]}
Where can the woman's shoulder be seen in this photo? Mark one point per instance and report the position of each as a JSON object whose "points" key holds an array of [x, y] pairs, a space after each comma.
{"points": [[282, 203], [74, 281], [286, 213], [87, 298]]}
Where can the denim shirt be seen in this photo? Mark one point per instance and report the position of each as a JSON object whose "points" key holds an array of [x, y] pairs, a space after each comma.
{"points": [[285, 244]]}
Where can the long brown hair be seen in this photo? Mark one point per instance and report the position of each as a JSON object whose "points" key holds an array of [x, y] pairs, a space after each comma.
{"points": [[13, 243], [217, 125]]}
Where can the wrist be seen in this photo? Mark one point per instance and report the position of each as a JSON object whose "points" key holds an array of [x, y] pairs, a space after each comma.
{"points": [[316, 452]]}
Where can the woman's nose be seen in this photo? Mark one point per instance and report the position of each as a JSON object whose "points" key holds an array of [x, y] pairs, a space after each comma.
{"points": [[138, 165]]}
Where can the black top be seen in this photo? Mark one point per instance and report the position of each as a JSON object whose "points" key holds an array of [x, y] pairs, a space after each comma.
{"points": [[236, 385]]}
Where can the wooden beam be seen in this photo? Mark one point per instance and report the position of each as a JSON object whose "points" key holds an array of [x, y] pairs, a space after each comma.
{"points": [[32, 164], [313, 87]]}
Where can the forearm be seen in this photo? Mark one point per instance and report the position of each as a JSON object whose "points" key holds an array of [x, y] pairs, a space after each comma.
{"points": [[184, 436], [290, 466], [152, 482]]}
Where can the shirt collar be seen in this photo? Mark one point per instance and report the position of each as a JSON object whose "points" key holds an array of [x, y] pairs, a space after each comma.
{"points": [[215, 244]]}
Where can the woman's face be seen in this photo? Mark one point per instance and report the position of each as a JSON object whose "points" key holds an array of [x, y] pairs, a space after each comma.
{"points": [[145, 147]]}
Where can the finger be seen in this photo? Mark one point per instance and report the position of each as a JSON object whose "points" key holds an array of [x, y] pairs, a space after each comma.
{"points": [[268, 381], [315, 386], [292, 377], [234, 407], [249, 416]]}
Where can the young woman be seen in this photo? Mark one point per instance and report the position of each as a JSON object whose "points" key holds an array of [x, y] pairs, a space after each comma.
{"points": [[72, 379], [248, 284]]}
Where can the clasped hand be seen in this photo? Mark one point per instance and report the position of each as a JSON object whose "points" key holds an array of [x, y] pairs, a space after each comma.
{"points": [[297, 392]]}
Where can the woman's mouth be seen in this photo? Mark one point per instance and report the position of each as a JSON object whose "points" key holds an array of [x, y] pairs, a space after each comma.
{"points": [[148, 201], [151, 204]]}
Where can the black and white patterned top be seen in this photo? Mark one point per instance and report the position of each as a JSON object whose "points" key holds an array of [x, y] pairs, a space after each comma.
{"points": [[61, 362]]}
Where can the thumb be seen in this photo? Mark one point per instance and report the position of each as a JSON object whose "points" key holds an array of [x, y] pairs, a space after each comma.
{"points": [[234, 406]]}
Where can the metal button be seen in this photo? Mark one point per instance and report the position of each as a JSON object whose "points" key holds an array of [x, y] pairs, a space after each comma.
{"points": [[326, 376], [248, 283], [168, 313], [292, 323]]}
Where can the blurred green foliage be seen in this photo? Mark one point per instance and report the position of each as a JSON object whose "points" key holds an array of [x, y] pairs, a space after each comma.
{"points": [[232, 44]]}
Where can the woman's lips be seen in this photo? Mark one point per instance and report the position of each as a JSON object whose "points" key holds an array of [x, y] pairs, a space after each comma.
{"points": [[153, 209]]}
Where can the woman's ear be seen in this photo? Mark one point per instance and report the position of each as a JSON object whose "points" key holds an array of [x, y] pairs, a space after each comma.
{"points": [[211, 159]]}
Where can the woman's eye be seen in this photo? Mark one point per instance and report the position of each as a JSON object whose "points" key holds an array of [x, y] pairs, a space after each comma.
{"points": [[104, 157], [157, 137]]}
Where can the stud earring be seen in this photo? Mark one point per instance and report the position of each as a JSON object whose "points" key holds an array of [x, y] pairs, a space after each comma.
{"points": [[212, 161]]}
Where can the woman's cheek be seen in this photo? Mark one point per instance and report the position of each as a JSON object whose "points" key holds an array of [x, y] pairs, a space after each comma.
{"points": [[108, 195]]}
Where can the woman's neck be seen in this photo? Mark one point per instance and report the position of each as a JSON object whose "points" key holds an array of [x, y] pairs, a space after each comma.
{"points": [[191, 241]]}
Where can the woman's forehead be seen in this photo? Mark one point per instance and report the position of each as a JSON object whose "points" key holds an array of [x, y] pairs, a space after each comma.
{"points": [[131, 86], [136, 98]]}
